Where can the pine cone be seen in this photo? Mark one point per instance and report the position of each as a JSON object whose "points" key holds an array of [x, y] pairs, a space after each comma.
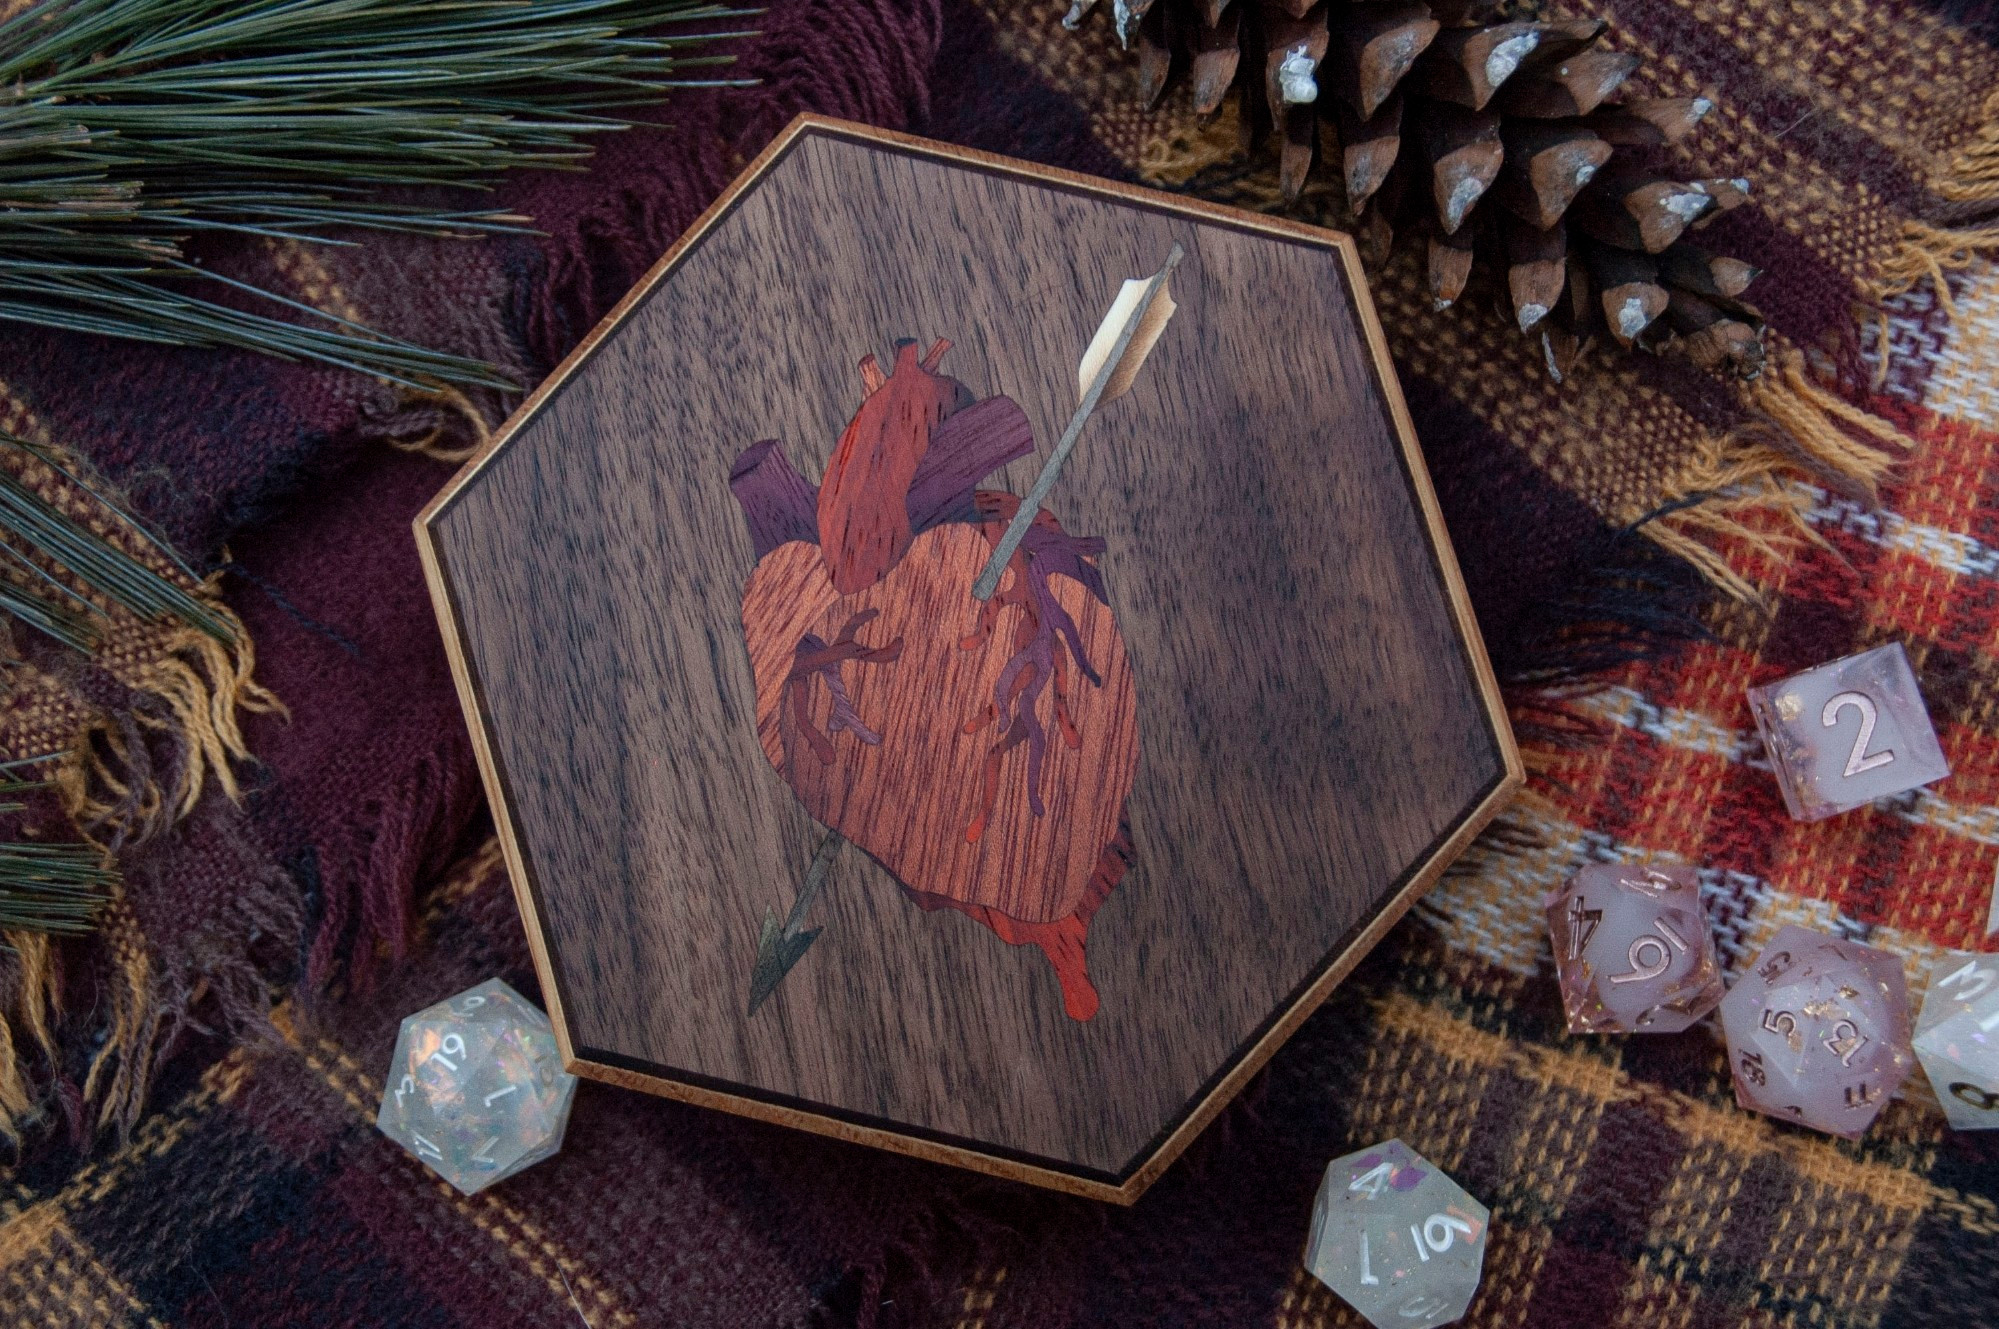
{"points": [[1498, 138]]}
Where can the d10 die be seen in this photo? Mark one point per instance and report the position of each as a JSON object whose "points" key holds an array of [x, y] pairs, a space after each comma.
{"points": [[1818, 1032], [1397, 1238], [1957, 1038], [1633, 949], [476, 1090], [1847, 733]]}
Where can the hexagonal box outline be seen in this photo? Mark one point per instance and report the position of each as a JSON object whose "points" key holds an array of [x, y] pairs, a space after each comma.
{"points": [[1129, 1182]]}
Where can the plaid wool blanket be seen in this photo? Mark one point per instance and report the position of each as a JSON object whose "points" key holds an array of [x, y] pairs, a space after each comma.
{"points": [[187, 1100]]}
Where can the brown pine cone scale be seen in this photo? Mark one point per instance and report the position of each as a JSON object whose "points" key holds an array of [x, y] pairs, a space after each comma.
{"points": [[1499, 139]]}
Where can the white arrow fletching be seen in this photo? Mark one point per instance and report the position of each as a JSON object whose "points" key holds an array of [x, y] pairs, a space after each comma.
{"points": [[1151, 323], [1128, 333]]}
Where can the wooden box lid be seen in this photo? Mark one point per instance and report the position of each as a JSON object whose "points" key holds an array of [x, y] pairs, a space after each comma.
{"points": [[1104, 844]]}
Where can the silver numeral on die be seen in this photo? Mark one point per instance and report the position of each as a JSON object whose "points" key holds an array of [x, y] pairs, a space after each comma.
{"points": [[1650, 945], [1859, 759]]}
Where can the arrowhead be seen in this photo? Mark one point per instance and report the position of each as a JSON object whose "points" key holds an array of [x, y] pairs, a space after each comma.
{"points": [[777, 952]]}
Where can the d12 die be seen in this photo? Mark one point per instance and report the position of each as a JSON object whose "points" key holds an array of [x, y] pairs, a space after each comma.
{"points": [[1633, 950], [1957, 1038], [1397, 1238], [1818, 1031], [476, 1090], [1848, 732]]}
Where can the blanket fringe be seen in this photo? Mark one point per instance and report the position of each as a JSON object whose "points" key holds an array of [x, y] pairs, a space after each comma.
{"points": [[369, 877], [1930, 253], [119, 1073], [1973, 174], [1738, 480], [28, 1009], [144, 999], [181, 684], [1968, 184], [193, 690]]}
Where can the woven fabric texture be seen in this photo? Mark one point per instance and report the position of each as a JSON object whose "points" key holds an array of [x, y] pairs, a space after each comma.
{"points": [[362, 780], [193, 1092]]}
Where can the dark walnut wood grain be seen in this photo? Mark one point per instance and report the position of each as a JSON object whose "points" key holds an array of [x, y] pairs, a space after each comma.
{"points": [[1288, 682]]}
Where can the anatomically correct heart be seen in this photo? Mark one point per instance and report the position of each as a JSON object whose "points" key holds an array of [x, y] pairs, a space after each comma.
{"points": [[981, 752]]}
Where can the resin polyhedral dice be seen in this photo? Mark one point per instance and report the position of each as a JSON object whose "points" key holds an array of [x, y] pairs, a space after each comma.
{"points": [[476, 1090], [1957, 1038], [1633, 949], [1848, 732], [1397, 1238], [1818, 1031]]}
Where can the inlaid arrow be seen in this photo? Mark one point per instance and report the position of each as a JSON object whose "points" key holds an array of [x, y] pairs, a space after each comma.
{"points": [[779, 948], [1109, 364], [1111, 361]]}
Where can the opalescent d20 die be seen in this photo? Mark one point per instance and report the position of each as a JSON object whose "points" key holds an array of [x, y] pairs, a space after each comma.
{"points": [[1848, 732], [1818, 1031], [1957, 1038], [1402, 1242], [1633, 949], [476, 1090]]}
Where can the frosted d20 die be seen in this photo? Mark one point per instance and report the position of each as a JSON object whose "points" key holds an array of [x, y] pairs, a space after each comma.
{"points": [[1957, 1038], [476, 1089], [1848, 732], [1818, 1031], [1397, 1238], [1633, 949]]}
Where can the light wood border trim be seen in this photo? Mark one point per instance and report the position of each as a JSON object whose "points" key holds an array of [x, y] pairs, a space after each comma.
{"points": [[1385, 917]]}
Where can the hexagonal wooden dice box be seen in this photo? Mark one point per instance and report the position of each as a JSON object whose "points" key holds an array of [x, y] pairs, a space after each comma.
{"points": [[803, 827]]}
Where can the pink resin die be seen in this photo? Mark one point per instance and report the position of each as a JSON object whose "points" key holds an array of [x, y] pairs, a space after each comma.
{"points": [[1633, 950], [1818, 1032], [1847, 733]]}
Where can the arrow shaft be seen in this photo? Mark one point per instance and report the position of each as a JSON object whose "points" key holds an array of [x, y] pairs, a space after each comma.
{"points": [[1051, 470], [815, 877]]}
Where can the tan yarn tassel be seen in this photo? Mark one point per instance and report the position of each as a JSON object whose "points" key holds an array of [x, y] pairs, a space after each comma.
{"points": [[456, 403], [121, 1070], [204, 684], [34, 1001], [1929, 253], [1743, 474], [1824, 424], [1973, 175]]}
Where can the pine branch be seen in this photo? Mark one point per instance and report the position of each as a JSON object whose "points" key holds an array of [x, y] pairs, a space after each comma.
{"points": [[128, 127]]}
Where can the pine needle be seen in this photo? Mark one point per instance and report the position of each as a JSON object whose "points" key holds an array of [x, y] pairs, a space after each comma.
{"points": [[129, 127], [35, 536], [48, 887]]}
